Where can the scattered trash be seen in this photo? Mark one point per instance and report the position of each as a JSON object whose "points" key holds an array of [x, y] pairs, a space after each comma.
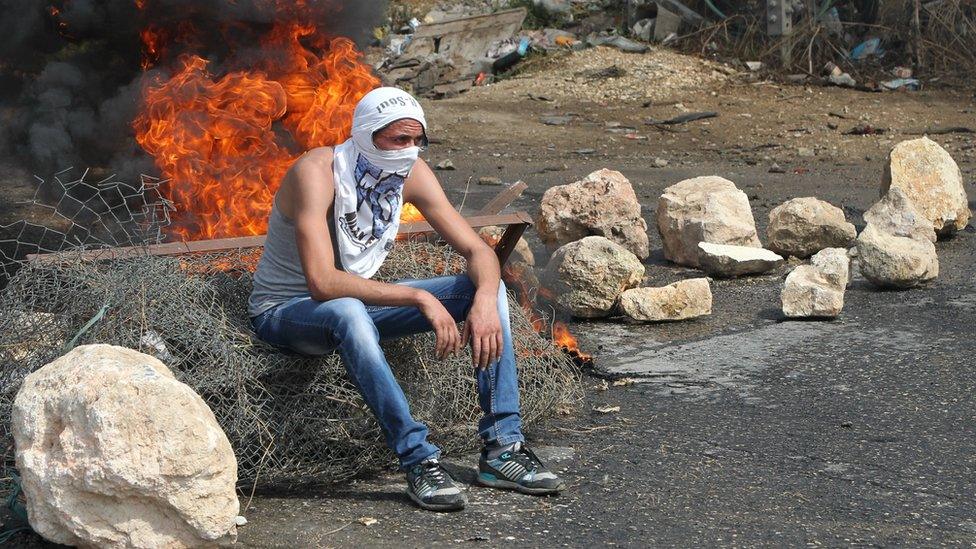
{"points": [[683, 118], [584, 151], [754, 65], [634, 136], [623, 382], [607, 409], [843, 80], [910, 84], [940, 130], [901, 72], [445, 164], [536, 97], [616, 41], [867, 49], [510, 59], [367, 521]]}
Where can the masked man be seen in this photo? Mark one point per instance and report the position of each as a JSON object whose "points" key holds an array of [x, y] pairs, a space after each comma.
{"points": [[333, 221]]}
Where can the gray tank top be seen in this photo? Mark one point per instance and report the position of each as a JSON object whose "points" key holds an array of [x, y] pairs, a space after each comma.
{"points": [[279, 276]]}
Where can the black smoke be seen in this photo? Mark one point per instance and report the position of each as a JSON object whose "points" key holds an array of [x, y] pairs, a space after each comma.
{"points": [[71, 71]]}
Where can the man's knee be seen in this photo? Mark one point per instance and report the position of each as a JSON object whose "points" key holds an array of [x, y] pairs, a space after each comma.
{"points": [[351, 321]]}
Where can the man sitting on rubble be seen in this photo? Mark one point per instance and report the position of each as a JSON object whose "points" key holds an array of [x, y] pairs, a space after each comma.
{"points": [[333, 221]]}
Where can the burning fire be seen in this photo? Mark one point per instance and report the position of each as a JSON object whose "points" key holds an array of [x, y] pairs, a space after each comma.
{"points": [[565, 340], [410, 213], [223, 139]]}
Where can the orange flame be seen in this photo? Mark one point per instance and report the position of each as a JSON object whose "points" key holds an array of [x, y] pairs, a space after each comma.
{"points": [[562, 338], [409, 213], [222, 141]]}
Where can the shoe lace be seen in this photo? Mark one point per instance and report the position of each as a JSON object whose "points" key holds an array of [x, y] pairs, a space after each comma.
{"points": [[527, 458], [434, 472]]}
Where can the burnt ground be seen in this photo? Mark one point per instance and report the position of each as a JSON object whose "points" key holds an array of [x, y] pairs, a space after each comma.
{"points": [[743, 429]]}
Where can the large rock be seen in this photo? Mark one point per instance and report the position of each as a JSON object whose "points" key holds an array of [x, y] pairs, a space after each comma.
{"points": [[817, 290], [892, 261], [587, 276], [684, 299], [896, 214], [932, 180], [703, 209], [602, 204], [723, 260], [113, 451], [802, 227]]}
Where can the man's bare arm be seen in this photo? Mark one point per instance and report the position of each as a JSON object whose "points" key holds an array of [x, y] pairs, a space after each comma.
{"points": [[424, 191], [312, 190], [483, 326]]}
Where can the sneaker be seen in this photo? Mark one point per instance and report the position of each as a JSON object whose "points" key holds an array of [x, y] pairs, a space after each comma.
{"points": [[433, 489], [517, 468]]}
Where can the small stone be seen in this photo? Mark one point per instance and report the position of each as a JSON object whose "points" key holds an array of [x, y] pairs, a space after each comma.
{"points": [[489, 180], [806, 152], [660, 163], [240, 520], [678, 301], [776, 168], [703, 209], [891, 261], [723, 260], [802, 227], [587, 276], [445, 164], [931, 179]]}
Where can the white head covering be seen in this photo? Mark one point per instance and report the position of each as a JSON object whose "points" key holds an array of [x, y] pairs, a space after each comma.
{"points": [[369, 181]]}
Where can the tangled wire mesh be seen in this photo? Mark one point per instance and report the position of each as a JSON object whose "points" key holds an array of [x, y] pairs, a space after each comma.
{"points": [[291, 419]]}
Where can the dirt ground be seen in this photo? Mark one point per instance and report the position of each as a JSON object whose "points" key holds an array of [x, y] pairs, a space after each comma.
{"points": [[744, 429]]}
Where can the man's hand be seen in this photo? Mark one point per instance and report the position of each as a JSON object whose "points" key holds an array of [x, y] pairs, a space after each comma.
{"points": [[484, 329], [448, 339]]}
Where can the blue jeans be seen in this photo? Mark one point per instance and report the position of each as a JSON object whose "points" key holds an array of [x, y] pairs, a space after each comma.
{"points": [[355, 330]]}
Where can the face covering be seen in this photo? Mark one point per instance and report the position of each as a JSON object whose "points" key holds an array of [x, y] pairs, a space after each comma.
{"points": [[369, 181]]}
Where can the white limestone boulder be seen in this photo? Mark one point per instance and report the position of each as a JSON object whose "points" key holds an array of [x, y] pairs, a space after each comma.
{"points": [[703, 209], [586, 277], [113, 451], [601, 204], [891, 261], [722, 260], [679, 301], [817, 289], [896, 214], [802, 227], [931, 179]]}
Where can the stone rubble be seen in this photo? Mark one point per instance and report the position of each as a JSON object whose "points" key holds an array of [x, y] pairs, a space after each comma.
{"points": [[723, 260], [892, 261], [802, 227], [896, 214], [587, 276], [817, 290]]}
